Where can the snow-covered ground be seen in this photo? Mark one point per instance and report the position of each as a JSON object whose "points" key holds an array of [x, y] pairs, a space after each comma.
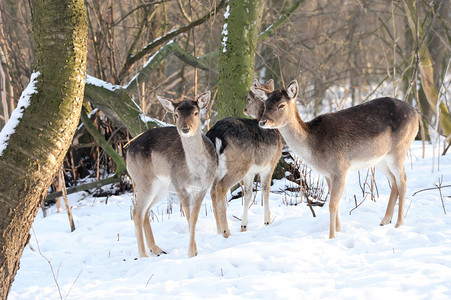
{"points": [[290, 259]]}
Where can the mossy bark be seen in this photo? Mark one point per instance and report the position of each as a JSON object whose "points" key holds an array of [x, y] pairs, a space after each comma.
{"points": [[41, 139], [237, 56]]}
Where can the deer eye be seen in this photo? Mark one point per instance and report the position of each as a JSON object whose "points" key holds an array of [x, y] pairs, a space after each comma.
{"points": [[196, 113], [176, 116], [281, 106], [248, 99]]}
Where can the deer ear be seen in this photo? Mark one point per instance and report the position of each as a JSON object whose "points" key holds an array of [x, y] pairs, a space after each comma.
{"points": [[203, 99], [167, 104], [259, 93], [255, 83], [270, 85], [292, 90]]}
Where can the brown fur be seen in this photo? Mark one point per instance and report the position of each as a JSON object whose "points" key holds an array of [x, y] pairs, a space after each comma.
{"points": [[244, 150], [179, 156], [377, 133]]}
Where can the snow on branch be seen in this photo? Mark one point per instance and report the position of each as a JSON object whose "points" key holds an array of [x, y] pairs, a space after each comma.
{"points": [[16, 116], [103, 84]]}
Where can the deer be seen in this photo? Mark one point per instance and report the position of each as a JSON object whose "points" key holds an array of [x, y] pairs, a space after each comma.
{"points": [[244, 150], [179, 156], [375, 133]]}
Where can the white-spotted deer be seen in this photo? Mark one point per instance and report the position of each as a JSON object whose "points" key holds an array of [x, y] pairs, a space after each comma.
{"points": [[244, 150], [376, 133], [178, 155]]}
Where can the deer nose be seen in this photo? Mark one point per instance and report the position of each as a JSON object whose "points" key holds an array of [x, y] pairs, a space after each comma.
{"points": [[262, 123], [185, 130]]}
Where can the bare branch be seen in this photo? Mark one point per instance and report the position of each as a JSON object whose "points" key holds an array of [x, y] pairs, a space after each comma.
{"points": [[132, 59]]}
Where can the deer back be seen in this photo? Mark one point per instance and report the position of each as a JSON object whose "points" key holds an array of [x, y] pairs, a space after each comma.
{"points": [[365, 132], [245, 137]]}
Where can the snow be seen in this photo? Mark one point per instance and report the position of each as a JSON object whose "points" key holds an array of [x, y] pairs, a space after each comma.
{"points": [[225, 31], [100, 83], [151, 58], [147, 119], [290, 259], [16, 116], [227, 12]]}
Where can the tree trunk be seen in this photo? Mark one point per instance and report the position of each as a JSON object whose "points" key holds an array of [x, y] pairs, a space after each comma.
{"points": [[37, 147], [236, 59], [427, 69]]}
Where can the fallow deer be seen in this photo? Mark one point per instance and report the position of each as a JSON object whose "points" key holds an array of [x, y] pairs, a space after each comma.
{"points": [[376, 133], [179, 156], [244, 150]]}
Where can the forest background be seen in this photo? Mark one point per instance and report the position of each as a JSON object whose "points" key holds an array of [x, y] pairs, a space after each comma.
{"points": [[338, 51]]}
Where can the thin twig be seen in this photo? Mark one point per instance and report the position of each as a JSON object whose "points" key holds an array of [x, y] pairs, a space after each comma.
{"points": [[309, 204], [434, 188], [149, 280], [48, 261], [357, 205], [73, 284]]}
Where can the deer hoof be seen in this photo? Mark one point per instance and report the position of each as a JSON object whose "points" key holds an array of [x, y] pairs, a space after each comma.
{"points": [[385, 223], [399, 224], [157, 251]]}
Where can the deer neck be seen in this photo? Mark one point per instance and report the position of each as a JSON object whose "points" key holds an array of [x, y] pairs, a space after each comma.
{"points": [[196, 153], [260, 111], [295, 134]]}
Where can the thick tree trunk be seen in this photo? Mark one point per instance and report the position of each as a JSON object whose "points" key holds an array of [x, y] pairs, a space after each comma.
{"points": [[236, 59], [37, 147]]}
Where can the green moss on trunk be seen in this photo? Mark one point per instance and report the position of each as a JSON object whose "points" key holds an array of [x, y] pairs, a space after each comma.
{"points": [[41, 139], [237, 56]]}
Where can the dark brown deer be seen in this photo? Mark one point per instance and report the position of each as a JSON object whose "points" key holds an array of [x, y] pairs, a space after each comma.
{"points": [[244, 150], [376, 133], [179, 156]]}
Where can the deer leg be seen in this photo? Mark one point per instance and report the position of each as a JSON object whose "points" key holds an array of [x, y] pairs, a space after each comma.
{"points": [[221, 192], [183, 196], [265, 178], [160, 194], [222, 187], [192, 249], [219, 210], [138, 219], [337, 218], [337, 188], [214, 202], [383, 166], [396, 167], [391, 202], [401, 183], [143, 202], [149, 237], [248, 181]]}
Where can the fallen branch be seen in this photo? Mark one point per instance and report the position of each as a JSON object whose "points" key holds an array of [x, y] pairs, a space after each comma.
{"points": [[84, 187], [432, 188], [438, 187]]}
